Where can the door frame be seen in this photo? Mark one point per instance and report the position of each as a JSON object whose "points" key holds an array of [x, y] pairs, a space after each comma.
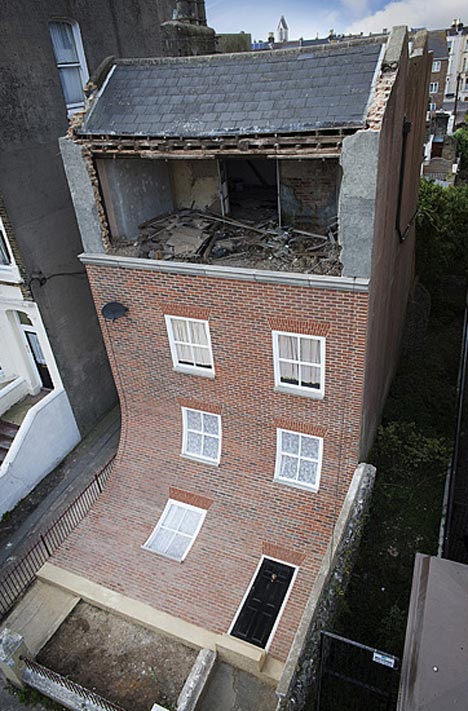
{"points": [[283, 604]]}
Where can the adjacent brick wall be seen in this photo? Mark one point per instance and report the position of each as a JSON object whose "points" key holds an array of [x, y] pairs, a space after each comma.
{"points": [[250, 513], [309, 192]]}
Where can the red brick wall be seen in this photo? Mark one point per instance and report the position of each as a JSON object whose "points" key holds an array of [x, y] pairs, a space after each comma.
{"points": [[309, 192], [248, 513]]}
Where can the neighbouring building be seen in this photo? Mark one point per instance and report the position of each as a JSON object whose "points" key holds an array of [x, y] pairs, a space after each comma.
{"points": [[282, 31], [52, 357], [437, 44], [457, 74], [247, 223]]}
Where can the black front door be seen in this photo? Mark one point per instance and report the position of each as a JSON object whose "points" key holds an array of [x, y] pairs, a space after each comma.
{"points": [[257, 617], [39, 359]]}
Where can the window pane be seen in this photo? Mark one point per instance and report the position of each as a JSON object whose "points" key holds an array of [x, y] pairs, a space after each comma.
{"points": [[33, 341], [198, 333], [194, 420], [4, 256], [210, 424], [310, 447], [290, 442], [202, 357], [288, 347], [173, 517], [310, 376], [162, 541], [70, 78], [288, 467], [184, 353], [289, 373], [307, 471], [211, 447], [190, 522], [180, 330], [310, 350], [63, 42], [178, 547], [194, 443]]}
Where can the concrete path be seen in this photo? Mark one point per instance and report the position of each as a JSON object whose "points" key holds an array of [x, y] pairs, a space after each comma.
{"points": [[52, 496], [231, 689], [39, 614]]}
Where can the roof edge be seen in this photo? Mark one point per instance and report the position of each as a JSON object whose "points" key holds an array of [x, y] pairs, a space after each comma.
{"points": [[318, 281]]}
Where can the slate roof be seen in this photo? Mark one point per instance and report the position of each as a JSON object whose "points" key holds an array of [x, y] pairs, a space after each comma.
{"points": [[237, 94], [437, 43]]}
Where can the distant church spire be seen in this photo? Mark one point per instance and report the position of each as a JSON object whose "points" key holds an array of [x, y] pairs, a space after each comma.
{"points": [[283, 30]]}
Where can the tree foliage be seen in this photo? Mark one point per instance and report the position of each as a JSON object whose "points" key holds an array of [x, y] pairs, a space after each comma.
{"points": [[442, 233]]}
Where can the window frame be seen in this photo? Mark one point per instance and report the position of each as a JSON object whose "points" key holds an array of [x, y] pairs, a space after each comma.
{"points": [[314, 393], [184, 368], [9, 273], [279, 452], [436, 65], [81, 64], [433, 87], [185, 430], [181, 504]]}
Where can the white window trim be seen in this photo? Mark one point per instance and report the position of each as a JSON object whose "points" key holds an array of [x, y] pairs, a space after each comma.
{"points": [[8, 272], [297, 389], [433, 87], [291, 482], [188, 455], [82, 64], [189, 369], [283, 605], [181, 504], [436, 65]]}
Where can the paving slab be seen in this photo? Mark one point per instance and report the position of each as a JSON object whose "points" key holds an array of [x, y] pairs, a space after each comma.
{"points": [[40, 613], [232, 689]]}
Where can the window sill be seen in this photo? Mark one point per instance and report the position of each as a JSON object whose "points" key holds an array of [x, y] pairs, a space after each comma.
{"points": [[10, 274], [297, 485], [194, 371], [194, 458], [312, 395], [165, 557]]}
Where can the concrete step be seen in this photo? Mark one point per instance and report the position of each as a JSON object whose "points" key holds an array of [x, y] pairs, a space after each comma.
{"points": [[40, 613], [8, 429]]}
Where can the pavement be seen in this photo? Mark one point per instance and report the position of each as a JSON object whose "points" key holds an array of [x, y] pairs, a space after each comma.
{"points": [[36, 512], [231, 689]]}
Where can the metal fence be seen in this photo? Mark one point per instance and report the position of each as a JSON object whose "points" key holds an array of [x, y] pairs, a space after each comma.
{"points": [[71, 686], [14, 583], [356, 677]]}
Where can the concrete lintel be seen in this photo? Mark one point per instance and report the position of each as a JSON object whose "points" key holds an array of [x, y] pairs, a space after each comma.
{"points": [[315, 281], [196, 682], [362, 475], [163, 622]]}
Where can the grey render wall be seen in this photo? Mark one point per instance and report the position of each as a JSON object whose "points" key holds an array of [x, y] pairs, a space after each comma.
{"points": [[134, 190], [32, 179], [392, 260]]}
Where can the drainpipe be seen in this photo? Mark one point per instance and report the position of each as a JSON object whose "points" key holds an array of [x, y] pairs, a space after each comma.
{"points": [[456, 100], [403, 234]]}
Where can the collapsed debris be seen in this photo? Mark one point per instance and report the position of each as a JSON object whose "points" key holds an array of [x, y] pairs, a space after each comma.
{"points": [[207, 238]]}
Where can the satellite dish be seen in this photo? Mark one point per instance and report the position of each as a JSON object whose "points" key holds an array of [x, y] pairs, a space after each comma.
{"points": [[113, 311]]}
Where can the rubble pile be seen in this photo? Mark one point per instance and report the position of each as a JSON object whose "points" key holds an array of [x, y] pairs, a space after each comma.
{"points": [[206, 238]]}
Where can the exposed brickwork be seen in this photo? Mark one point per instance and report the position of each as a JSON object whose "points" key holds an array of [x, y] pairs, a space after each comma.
{"points": [[173, 309], [294, 325], [188, 497], [197, 405], [249, 507], [304, 427], [287, 555], [309, 192]]}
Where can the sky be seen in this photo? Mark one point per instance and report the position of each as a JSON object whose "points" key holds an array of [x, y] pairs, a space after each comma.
{"points": [[306, 18]]}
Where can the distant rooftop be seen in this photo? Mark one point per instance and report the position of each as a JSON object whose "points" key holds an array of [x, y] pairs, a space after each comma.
{"points": [[437, 43], [289, 91]]}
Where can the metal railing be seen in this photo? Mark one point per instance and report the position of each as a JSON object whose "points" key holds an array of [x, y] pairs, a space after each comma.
{"points": [[15, 582], [71, 686]]}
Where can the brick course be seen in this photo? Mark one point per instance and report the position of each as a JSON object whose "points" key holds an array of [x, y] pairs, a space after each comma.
{"points": [[250, 513]]}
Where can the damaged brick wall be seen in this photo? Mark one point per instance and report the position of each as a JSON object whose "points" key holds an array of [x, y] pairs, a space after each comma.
{"points": [[309, 192]]}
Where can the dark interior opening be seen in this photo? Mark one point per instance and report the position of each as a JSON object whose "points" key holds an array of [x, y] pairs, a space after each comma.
{"points": [[252, 189]]}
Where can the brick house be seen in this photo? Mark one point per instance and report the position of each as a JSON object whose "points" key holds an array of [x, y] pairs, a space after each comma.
{"points": [[437, 44], [247, 223]]}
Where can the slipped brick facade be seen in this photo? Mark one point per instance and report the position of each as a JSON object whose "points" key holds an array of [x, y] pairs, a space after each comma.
{"points": [[248, 513]]}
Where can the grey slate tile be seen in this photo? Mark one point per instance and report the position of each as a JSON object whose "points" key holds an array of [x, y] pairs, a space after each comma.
{"points": [[241, 93]]}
